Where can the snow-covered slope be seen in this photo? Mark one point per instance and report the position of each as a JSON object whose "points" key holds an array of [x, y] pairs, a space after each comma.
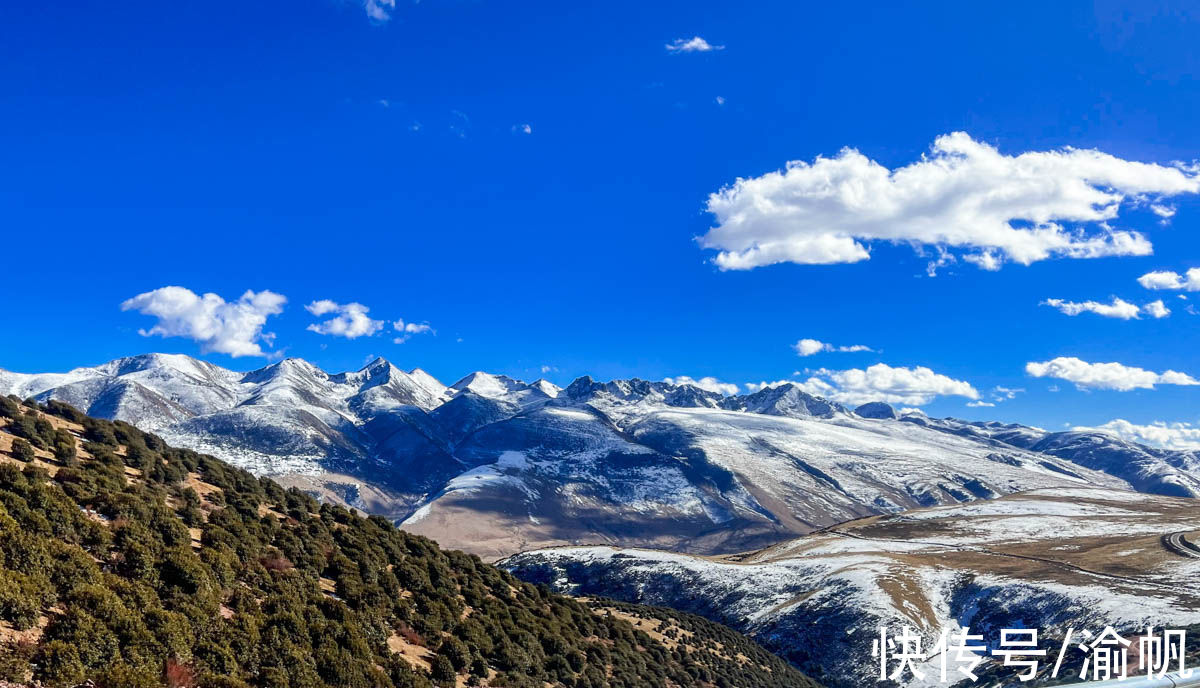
{"points": [[657, 465], [1049, 559], [494, 465]]}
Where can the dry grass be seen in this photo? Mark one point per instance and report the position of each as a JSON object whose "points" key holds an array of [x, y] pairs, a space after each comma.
{"points": [[416, 655]]}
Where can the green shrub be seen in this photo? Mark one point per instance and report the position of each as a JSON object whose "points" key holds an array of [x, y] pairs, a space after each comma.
{"points": [[9, 408], [23, 597], [442, 671], [23, 451]]}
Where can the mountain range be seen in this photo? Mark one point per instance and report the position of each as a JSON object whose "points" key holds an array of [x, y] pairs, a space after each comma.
{"points": [[496, 466]]}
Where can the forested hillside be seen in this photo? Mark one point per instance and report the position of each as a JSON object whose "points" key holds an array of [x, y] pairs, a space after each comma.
{"points": [[130, 563]]}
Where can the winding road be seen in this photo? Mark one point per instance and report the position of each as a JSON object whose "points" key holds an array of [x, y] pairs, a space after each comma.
{"points": [[1177, 543], [1187, 549]]}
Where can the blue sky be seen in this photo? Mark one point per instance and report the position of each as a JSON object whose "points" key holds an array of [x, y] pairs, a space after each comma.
{"points": [[532, 181]]}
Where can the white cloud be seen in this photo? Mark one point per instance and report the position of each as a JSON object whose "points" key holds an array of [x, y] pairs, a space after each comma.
{"points": [[695, 44], [1166, 279], [1156, 309], [966, 195], [1116, 376], [407, 330], [720, 100], [980, 404], [1117, 309], [1181, 436], [808, 347], [522, 129], [708, 384], [233, 328], [380, 10], [1166, 212], [412, 328], [350, 322], [881, 382]]}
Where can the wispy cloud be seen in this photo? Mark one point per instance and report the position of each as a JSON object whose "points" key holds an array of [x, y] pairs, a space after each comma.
{"points": [[406, 330], [966, 196], [1119, 308], [234, 327], [808, 347], [695, 44], [380, 10], [997, 395], [460, 123], [1005, 393]]}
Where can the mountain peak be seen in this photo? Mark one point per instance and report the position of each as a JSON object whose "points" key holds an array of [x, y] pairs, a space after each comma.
{"points": [[876, 409], [427, 381], [546, 387], [488, 385], [636, 390], [376, 362], [286, 368], [788, 399], [133, 364]]}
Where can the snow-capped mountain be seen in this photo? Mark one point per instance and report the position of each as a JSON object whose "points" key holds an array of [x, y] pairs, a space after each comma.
{"points": [[1147, 469], [288, 417], [1046, 559], [495, 466]]}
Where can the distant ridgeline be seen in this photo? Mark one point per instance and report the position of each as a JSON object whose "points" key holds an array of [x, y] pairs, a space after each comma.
{"points": [[129, 563]]}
